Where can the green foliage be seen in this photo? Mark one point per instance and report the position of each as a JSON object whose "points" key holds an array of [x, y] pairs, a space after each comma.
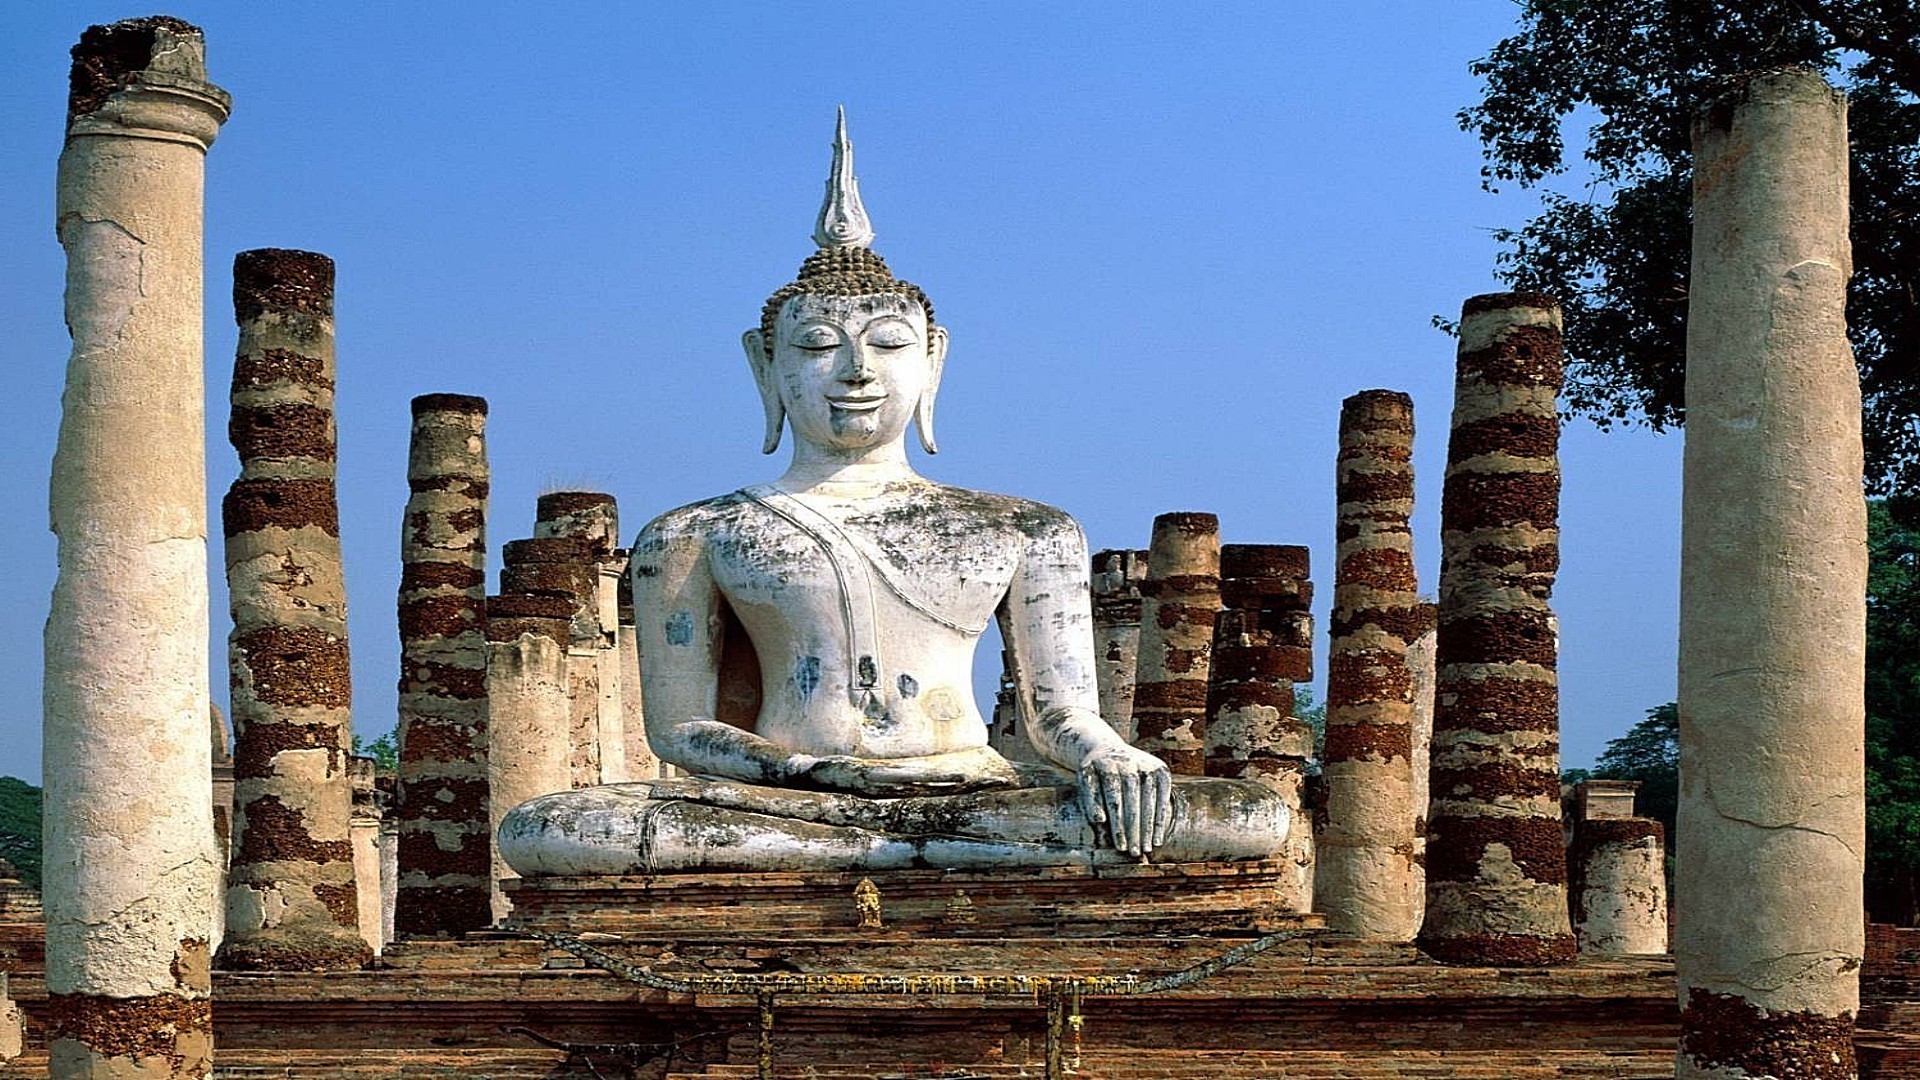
{"points": [[20, 827], [1314, 711], [1616, 252], [383, 750], [1893, 704]]}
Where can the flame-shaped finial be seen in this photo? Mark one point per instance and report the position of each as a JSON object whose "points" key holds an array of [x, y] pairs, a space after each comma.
{"points": [[843, 221]]}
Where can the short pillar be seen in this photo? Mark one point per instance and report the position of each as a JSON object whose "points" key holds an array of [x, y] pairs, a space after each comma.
{"points": [[131, 875], [561, 569], [291, 903], [528, 713], [445, 850], [1262, 646], [1769, 934], [594, 517], [1370, 877], [1116, 633], [1180, 596], [1496, 858], [1617, 862]]}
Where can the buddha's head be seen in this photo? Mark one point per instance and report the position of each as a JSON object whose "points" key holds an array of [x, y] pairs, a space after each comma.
{"points": [[846, 352]]}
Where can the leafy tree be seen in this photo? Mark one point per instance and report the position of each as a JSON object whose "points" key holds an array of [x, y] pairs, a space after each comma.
{"points": [[20, 827], [1650, 753], [1893, 709], [383, 750], [1615, 250]]}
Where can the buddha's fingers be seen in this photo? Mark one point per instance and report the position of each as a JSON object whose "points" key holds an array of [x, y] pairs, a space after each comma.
{"points": [[1130, 807], [1162, 806], [1111, 787], [1090, 803]]}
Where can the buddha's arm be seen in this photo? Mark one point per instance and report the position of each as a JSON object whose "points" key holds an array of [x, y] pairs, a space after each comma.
{"points": [[676, 604], [1047, 619]]}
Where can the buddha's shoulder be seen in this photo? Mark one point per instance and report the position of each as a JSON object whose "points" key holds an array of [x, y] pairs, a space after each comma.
{"points": [[694, 522], [928, 503]]}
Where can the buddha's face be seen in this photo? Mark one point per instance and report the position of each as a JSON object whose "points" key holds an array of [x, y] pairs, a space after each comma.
{"points": [[850, 371]]}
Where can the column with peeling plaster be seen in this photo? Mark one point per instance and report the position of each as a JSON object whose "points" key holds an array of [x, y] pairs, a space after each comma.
{"points": [[1369, 875], [1768, 887], [642, 762], [595, 662], [291, 904], [1617, 863], [1116, 633], [528, 709], [1420, 662], [131, 873], [1262, 646], [562, 569], [445, 847], [1180, 596], [1496, 858]]}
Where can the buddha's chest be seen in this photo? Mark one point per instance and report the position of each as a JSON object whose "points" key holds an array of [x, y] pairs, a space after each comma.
{"points": [[902, 561]]}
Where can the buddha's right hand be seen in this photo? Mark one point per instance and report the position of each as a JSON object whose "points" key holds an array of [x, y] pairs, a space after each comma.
{"points": [[893, 779]]}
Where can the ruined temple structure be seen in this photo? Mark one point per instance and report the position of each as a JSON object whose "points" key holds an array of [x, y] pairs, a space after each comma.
{"points": [[1130, 897]]}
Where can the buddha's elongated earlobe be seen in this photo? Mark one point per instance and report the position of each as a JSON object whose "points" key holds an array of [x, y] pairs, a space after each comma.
{"points": [[923, 409], [762, 367]]}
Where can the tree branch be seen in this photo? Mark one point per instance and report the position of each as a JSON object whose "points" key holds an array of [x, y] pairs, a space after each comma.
{"points": [[1901, 57]]}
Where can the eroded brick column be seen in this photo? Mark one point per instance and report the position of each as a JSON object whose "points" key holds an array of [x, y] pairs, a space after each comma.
{"points": [[642, 762], [562, 569], [445, 848], [291, 904], [1262, 646], [1116, 633], [1180, 595], [594, 664], [1768, 883], [131, 875], [1496, 860], [1369, 878], [528, 711]]}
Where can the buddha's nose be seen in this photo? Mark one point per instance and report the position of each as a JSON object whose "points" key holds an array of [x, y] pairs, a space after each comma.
{"points": [[858, 367]]}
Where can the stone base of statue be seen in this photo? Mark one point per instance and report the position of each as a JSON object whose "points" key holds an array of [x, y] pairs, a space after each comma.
{"points": [[1020, 902], [692, 824]]}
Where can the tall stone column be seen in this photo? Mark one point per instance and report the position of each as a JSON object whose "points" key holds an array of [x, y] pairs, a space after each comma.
{"points": [[1262, 645], [1369, 880], [131, 874], [291, 903], [445, 850], [594, 517], [1496, 860], [1420, 662], [1180, 597], [364, 835], [1768, 892], [1116, 633], [560, 569], [528, 714]]}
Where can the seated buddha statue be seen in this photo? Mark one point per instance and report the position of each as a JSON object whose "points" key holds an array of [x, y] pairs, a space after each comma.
{"points": [[807, 644]]}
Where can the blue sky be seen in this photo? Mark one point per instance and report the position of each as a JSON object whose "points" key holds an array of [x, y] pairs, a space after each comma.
{"points": [[1167, 240]]}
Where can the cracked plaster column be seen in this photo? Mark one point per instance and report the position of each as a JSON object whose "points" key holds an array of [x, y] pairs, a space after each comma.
{"points": [[291, 903], [1420, 662], [594, 662], [1618, 891], [527, 709], [1497, 860], [1369, 877], [445, 848], [130, 867], [642, 762], [1262, 646], [1768, 891], [1116, 633], [1180, 596]]}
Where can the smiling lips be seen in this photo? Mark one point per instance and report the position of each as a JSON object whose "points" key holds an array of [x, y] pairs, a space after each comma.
{"points": [[857, 404]]}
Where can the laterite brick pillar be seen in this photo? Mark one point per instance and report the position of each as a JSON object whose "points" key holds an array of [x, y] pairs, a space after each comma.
{"points": [[291, 903], [1180, 596], [445, 847], [1262, 646], [594, 660], [131, 874], [1773, 571], [1116, 633], [1369, 878], [1496, 860]]}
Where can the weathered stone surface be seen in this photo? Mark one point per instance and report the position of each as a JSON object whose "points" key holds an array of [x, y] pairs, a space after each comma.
{"points": [[1180, 596], [445, 865], [1116, 633], [291, 902], [528, 712], [1772, 587], [1369, 875], [1618, 886], [1496, 869], [131, 870]]}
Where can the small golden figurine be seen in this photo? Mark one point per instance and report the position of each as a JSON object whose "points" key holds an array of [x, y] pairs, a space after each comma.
{"points": [[866, 901], [959, 908]]}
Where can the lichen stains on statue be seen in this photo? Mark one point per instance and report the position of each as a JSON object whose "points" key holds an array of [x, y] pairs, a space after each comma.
{"points": [[863, 589]]}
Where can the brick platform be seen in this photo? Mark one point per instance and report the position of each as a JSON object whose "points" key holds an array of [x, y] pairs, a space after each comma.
{"points": [[1045, 902]]}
